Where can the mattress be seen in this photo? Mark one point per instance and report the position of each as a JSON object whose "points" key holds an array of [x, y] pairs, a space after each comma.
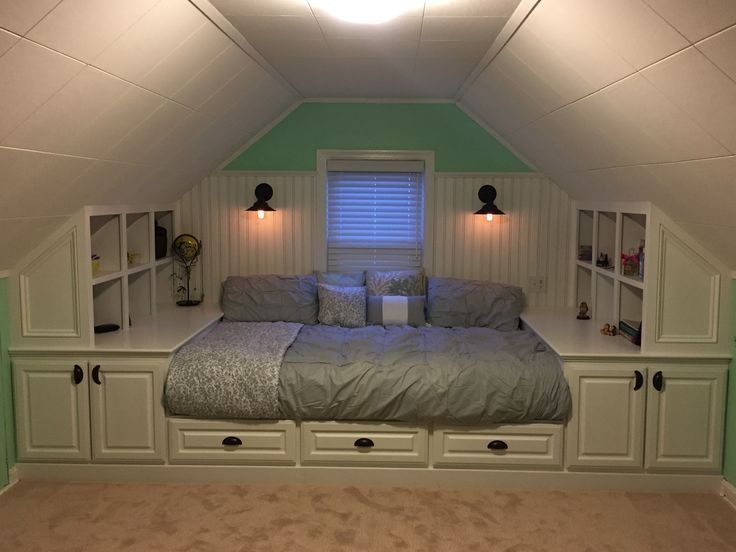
{"points": [[457, 376]]}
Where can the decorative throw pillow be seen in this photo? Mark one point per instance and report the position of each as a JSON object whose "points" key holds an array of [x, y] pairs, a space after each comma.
{"points": [[395, 282], [468, 303], [344, 279], [341, 306], [396, 310]]}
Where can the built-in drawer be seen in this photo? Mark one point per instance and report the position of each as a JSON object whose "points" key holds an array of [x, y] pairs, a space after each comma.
{"points": [[222, 442], [363, 443], [530, 445]]}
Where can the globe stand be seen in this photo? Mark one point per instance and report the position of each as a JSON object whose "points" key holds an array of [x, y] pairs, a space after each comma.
{"points": [[188, 302]]}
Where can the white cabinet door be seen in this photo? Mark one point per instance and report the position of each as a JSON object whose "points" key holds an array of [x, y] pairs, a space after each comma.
{"points": [[606, 428], [685, 417], [52, 409], [128, 419]]}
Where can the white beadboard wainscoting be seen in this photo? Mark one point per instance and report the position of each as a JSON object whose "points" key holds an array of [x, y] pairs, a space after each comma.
{"points": [[532, 240]]}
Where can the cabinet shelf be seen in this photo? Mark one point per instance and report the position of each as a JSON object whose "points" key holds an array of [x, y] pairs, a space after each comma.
{"points": [[102, 276], [134, 269], [164, 261]]}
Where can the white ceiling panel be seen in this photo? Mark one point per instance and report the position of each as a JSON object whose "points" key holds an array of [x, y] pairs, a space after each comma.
{"points": [[20, 16], [20, 235], [293, 26], [401, 28], [31, 183], [213, 77], [701, 90], [629, 27], [7, 39], [262, 7], [321, 55], [717, 239], [29, 76], [562, 60], [163, 148], [503, 102], [189, 58], [150, 41], [721, 50], [134, 147], [697, 19], [471, 8], [87, 117], [239, 85], [469, 28], [84, 28]]}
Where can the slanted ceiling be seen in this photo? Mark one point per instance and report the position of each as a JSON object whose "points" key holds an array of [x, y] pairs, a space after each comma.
{"points": [[135, 101], [113, 102]]}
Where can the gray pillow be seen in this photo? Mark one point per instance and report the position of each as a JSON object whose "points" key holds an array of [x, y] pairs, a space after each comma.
{"points": [[344, 279], [270, 298], [341, 306], [396, 310], [467, 303]]}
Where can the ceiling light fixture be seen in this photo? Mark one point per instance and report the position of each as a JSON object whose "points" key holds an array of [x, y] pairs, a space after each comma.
{"points": [[367, 12]]}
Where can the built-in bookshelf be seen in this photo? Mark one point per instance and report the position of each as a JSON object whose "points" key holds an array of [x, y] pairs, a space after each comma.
{"points": [[128, 281], [610, 262]]}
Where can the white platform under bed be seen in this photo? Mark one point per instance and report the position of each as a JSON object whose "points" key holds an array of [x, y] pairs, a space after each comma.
{"points": [[181, 449]]}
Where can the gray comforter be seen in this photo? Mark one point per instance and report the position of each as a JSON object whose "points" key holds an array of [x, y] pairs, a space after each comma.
{"points": [[462, 376]]}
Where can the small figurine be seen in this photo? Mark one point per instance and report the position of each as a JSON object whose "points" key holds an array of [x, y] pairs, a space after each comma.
{"points": [[609, 329], [583, 312]]}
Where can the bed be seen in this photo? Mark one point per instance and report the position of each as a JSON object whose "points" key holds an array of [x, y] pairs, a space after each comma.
{"points": [[455, 371]]}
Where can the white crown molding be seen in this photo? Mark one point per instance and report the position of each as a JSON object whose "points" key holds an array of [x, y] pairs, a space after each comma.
{"points": [[4, 273]]}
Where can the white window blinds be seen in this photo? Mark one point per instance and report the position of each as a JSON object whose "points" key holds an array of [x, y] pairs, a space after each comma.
{"points": [[375, 220]]}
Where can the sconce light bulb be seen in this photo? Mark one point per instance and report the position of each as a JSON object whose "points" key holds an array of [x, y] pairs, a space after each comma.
{"points": [[489, 217], [261, 214]]}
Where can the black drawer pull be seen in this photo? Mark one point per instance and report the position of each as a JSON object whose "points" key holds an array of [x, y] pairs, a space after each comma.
{"points": [[497, 445], [657, 381], [639, 380], [78, 374], [96, 375], [232, 441], [364, 442]]}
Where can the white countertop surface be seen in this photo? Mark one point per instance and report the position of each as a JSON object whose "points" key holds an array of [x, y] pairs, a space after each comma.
{"points": [[571, 338]]}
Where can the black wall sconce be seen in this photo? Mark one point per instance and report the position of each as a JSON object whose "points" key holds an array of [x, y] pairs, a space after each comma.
{"points": [[264, 192], [487, 194]]}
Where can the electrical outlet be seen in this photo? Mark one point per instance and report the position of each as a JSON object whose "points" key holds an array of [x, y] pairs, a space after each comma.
{"points": [[537, 284]]}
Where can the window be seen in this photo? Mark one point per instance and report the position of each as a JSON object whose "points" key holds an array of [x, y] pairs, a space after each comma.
{"points": [[375, 215]]}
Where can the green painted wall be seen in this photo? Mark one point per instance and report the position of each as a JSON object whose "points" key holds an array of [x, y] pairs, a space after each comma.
{"points": [[459, 143], [729, 463], [7, 432]]}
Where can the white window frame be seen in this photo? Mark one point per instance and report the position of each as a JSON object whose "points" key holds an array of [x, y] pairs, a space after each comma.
{"points": [[319, 252]]}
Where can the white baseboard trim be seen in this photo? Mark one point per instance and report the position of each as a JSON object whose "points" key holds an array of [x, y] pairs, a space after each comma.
{"points": [[13, 478], [403, 477], [729, 492]]}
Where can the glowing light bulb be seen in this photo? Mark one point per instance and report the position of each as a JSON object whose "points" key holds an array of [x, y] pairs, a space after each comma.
{"points": [[489, 217], [261, 214]]}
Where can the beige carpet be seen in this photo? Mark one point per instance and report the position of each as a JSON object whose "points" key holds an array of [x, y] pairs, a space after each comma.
{"points": [[109, 517]]}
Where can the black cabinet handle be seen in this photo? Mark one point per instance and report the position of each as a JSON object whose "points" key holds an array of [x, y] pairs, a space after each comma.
{"points": [[657, 381], [78, 374], [639, 380], [497, 445], [232, 441], [96, 375], [364, 442]]}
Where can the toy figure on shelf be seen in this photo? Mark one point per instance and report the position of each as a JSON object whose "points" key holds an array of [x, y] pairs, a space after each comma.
{"points": [[583, 312], [609, 329]]}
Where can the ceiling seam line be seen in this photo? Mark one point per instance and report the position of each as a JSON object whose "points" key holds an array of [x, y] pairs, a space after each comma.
{"points": [[73, 156], [42, 18], [599, 90], [465, 86], [654, 164]]}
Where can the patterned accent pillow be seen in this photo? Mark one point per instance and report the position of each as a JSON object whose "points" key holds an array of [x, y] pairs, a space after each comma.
{"points": [[396, 310], [341, 306], [395, 282]]}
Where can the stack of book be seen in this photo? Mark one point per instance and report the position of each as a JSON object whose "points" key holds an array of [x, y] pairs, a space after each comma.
{"points": [[631, 330]]}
